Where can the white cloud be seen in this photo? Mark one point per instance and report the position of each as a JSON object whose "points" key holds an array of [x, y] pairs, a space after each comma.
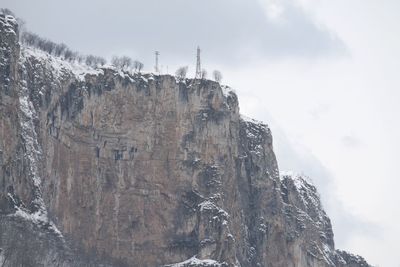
{"points": [[273, 8], [351, 141], [353, 101]]}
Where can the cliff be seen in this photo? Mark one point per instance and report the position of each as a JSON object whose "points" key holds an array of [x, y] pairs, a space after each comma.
{"points": [[101, 167]]}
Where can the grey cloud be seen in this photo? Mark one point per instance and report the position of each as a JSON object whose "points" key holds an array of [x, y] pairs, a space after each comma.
{"points": [[229, 31]]}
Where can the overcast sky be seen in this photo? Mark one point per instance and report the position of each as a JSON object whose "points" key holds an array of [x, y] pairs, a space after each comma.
{"points": [[324, 74]]}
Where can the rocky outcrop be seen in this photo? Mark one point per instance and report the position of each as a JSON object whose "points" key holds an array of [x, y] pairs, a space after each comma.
{"points": [[309, 228], [104, 167]]}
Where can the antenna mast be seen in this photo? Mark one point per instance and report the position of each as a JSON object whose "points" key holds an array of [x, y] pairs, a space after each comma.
{"points": [[157, 70], [198, 65]]}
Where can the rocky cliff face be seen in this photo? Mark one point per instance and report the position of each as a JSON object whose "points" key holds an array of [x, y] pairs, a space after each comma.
{"points": [[102, 167]]}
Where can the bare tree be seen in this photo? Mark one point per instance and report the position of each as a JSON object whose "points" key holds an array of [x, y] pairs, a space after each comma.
{"points": [[101, 61], [69, 54], [29, 38], [123, 62], [181, 72], [35, 40], [52, 48], [116, 62], [140, 67], [90, 60], [21, 27], [60, 49], [137, 65], [95, 61], [126, 62], [203, 75], [217, 75], [81, 58], [47, 45]]}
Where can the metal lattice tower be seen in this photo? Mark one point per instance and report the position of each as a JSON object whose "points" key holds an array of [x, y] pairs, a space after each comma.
{"points": [[198, 65], [157, 70]]}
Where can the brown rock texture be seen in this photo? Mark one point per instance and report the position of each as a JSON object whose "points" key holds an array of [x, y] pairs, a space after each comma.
{"points": [[110, 168]]}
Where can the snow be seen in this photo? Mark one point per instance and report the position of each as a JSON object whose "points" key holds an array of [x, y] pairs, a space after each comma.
{"points": [[327, 253], [193, 261], [33, 155], [38, 218], [207, 205], [302, 183], [11, 19], [59, 65], [28, 132], [255, 132], [144, 79], [307, 194], [8, 23], [285, 173], [262, 228], [210, 206], [254, 126], [310, 202], [251, 120], [226, 90]]}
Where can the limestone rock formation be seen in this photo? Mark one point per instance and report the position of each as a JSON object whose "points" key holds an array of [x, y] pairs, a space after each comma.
{"points": [[100, 167]]}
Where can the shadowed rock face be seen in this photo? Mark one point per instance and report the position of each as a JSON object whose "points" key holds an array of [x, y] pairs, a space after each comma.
{"points": [[102, 167]]}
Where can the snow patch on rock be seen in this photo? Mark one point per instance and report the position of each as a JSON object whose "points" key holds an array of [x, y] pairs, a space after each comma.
{"points": [[8, 23], [195, 262], [33, 155], [60, 66], [207, 205]]}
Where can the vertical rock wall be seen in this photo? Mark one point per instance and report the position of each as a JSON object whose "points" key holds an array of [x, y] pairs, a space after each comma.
{"points": [[125, 169]]}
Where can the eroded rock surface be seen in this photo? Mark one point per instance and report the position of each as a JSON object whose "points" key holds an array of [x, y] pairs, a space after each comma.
{"points": [[103, 167]]}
